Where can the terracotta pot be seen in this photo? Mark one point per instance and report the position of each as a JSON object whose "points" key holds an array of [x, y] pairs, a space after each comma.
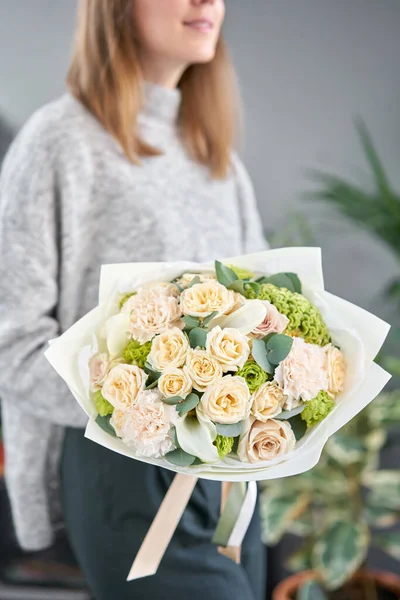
{"points": [[287, 589]]}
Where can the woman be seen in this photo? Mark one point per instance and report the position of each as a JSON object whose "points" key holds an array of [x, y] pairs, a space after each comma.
{"points": [[135, 163]]}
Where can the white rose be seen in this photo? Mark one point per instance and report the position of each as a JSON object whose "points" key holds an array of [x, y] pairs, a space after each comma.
{"points": [[229, 346], [151, 311], [122, 385], [336, 368], [202, 299], [175, 382], [274, 322], [226, 401], [169, 349], [187, 278], [239, 301], [146, 426], [203, 369], [267, 401], [265, 440]]}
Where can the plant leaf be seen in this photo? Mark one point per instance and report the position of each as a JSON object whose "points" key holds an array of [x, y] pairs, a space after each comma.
{"points": [[277, 512], [311, 590], [259, 352], [232, 430], [288, 414], [380, 516], [254, 286], [289, 281], [300, 560], [237, 286], [104, 423], [346, 448], [298, 426], [194, 281], [208, 319], [180, 458], [389, 543], [225, 275], [278, 347], [174, 437], [191, 322], [340, 551], [197, 338], [190, 402], [173, 400]]}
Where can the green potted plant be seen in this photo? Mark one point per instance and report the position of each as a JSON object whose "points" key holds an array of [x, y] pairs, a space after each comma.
{"points": [[340, 508]]}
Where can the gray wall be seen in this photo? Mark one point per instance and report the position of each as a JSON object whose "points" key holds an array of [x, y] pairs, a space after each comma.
{"points": [[306, 68]]}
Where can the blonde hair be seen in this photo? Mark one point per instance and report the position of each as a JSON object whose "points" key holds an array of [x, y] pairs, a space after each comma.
{"points": [[105, 76]]}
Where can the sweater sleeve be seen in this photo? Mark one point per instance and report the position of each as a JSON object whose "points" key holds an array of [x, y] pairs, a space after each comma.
{"points": [[29, 278], [253, 236]]}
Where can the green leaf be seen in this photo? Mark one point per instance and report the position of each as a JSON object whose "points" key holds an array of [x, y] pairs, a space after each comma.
{"points": [[277, 512], [256, 287], [289, 281], [389, 543], [345, 448], [194, 281], [311, 590], [152, 385], [259, 352], [302, 526], [196, 462], [208, 319], [104, 423], [197, 338], [300, 560], [191, 322], [230, 430], [225, 275], [237, 286], [278, 347], [153, 376], [380, 516], [174, 437], [173, 400], [288, 414], [340, 551], [190, 402], [298, 426], [180, 458]]}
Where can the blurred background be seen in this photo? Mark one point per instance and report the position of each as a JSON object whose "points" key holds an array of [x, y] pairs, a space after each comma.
{"points": [[321, 89]]}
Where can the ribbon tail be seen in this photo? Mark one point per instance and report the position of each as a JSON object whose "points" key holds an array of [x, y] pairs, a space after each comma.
{"points": [[163, 527]]}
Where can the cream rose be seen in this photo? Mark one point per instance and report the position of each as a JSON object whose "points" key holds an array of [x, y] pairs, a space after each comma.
{"points": [[175, 382], [203, 369], [146, 426], [229, 346], [187, 278], [98, 368], [264, 441], [226, 401], [169, 349], [303, 373], [336, 368], [202, 299], [122, 385], [239, 301], [151, 311], [267, 401], [274, 321]]}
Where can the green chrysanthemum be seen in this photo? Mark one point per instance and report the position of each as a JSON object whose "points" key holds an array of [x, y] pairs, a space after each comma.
{"points": [[102, 405], [224, 445], [254, 375], [241, 273], [305, 320], [125, 298], [317, 409], [136, 353]]}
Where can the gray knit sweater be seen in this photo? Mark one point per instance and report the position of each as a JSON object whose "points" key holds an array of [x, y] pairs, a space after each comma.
{"points": [[69, 202]]}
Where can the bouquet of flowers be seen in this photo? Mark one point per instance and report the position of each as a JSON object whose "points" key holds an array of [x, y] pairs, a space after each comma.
{"points": [[236, 371]]}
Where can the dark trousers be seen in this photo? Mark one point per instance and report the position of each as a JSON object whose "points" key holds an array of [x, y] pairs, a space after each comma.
{"points": [[109, 503]]}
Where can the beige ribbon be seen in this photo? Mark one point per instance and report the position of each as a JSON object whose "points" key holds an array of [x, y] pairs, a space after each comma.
{"points": [[163, 527]]}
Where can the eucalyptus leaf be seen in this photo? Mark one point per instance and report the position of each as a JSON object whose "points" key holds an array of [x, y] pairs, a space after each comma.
{"points": [[208, 319], [237, 286], [173, 400], [259, 352], [152, 385], [104, 423], [174, 437], [288, 414], [225, 275], [191, 322], [194, 281], [180, 458], [190, 402], [197, 338], [298, 426], [289, 281], [230, 430], [254, 286], [339, 551], [311, 590], [197, 462], [278, 347]]}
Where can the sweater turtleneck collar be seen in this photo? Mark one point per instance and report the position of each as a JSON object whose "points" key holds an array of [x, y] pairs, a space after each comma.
{"points": [[161, 103]]}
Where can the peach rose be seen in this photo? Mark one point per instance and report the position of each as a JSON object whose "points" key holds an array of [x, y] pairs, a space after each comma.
{"points": [[175, 382], [98, 369], [203, 369], [202, 299], [265, 440], [336, 367], [274, 322], [229, 347], [226, 401], [267, 401], [169, 349], [123, 384], [146, 426]]}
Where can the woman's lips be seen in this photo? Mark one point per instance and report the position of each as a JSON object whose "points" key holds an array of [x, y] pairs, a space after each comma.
{"points": [[202, 25]]}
